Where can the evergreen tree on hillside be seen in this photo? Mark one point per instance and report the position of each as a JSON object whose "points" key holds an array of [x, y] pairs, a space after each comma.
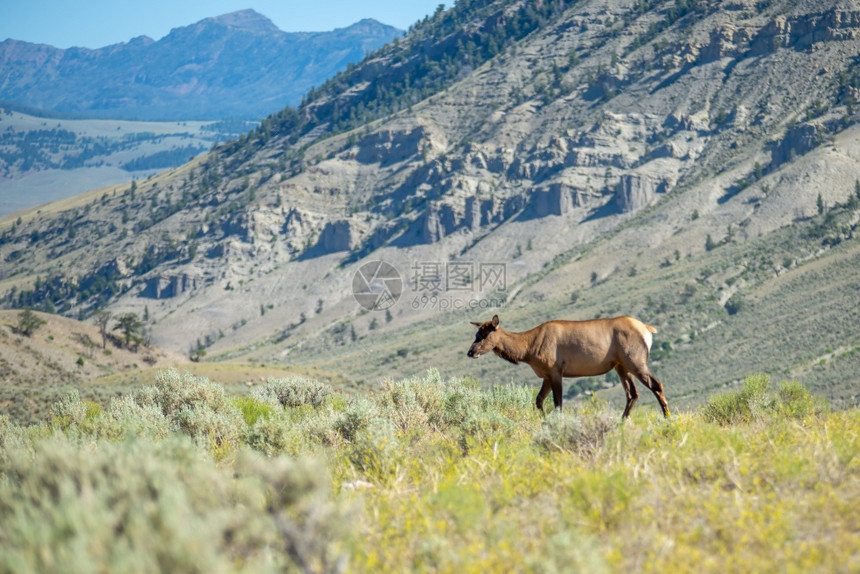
{"points": [[131, 327], [28, 322]]}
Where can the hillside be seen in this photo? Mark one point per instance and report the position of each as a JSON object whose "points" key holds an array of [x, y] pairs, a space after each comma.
{"points": [[60, 355], [693, 164], [238, 65]]}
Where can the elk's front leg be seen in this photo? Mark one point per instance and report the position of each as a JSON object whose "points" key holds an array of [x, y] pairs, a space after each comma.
{"points": [[542, 394]]}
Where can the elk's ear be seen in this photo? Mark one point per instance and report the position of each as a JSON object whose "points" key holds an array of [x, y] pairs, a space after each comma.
{"points": [[495, 320], [478, 325]]}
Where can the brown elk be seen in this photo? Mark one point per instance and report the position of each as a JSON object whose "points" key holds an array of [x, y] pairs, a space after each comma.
{"points": [[558, 349]]}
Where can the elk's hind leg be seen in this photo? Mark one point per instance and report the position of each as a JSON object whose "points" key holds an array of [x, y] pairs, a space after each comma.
{"points": [[639, 369], [629, 388], [557, 391], [656, 387]]}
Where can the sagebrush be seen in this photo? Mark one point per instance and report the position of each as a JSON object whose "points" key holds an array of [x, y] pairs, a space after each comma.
{"points": [[427, 475]]}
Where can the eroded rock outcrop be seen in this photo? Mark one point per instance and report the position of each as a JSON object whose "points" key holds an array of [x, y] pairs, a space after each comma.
{"points": [[556, 199], [337, 236], [635, 191], [801, 32], [167, 286], [798, 140], [390, 146], [438, 221]]}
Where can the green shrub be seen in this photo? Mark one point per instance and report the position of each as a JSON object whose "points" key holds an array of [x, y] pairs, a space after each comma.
{"points": [[569, 551], [161, 495], [411, 404], [749, 403], [146, 506], [130, 418], [431, 405], [355, 418], [293, 392], [11, 436], [196, 407], [253, 409], [754, 401], [275, 435], [311, 527], [376, 453], [462, 402], [69, 411], [92, 410], [574, 432], [6, 428], [482, 415], [71, 414], [483, 426], [320, 430], [173, 392], [795, 401], [123, 507], [222, 431], [514, 400]]}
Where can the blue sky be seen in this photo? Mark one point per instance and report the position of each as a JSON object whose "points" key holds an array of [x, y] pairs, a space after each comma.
{"points": [[98, 23]]}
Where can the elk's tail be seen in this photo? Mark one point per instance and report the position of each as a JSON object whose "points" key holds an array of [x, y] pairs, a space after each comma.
{"points": [[650, 328]]}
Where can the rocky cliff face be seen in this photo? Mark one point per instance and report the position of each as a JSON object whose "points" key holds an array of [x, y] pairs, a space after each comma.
{"points": [[337, 236], [165, 287], [637, 191], [627, 136]]}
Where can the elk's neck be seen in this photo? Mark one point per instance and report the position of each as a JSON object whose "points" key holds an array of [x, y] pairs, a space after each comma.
{"points": [[514, 347]]}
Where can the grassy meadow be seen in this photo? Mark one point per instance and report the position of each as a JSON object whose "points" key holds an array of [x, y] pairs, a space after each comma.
{"points": [[428, 475]]}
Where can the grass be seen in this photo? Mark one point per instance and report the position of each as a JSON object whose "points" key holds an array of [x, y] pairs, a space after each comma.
{"points": [[427, 474]]}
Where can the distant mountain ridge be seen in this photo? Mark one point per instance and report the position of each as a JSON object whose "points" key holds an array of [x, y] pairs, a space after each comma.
{"points": [[235, 65]]}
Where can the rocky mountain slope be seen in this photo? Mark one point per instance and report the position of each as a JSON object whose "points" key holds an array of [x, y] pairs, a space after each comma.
{"points": [[692, 163], [238, 65]]}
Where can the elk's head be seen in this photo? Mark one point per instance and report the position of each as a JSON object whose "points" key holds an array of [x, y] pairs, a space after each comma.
{"points": [[486, 338]]}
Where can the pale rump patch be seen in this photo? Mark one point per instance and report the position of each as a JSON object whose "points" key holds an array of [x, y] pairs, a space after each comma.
{"points": [[646, 335], [645, 331]]}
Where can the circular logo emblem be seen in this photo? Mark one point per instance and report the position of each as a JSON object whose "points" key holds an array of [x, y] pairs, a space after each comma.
{"points": [[377, 285]]}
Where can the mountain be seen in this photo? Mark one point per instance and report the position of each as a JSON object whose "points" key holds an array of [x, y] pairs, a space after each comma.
{"points": [[239, 65], [694, 164]]}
